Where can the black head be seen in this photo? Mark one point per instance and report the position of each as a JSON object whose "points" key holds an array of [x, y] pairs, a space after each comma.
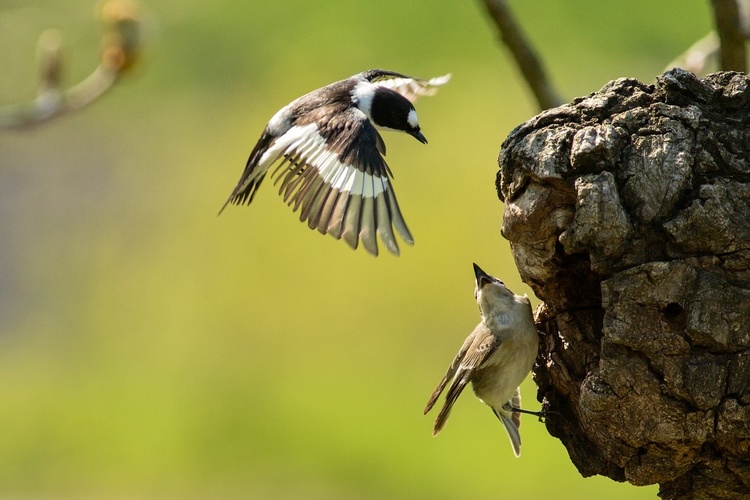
{"points": [[389, 109]]}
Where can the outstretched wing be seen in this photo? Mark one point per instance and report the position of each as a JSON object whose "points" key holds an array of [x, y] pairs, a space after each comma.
{"points": [[333, 173], [255, 170], [476, 350], [413, 88]]}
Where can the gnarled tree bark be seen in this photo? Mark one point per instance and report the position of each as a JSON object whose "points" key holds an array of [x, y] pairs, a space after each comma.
{"points": [[628, 213]]}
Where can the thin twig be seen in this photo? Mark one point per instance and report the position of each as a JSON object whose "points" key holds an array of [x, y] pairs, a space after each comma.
{"points": [[731, 35], [520, 48], [699, 58], [120, 49]]}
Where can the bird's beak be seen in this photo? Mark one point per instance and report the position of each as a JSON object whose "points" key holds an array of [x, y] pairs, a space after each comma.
{"points": [[418, 136], [482, 277]]}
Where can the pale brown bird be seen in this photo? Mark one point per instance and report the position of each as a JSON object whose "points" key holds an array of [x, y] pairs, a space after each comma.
{"points": [[495, 357]]}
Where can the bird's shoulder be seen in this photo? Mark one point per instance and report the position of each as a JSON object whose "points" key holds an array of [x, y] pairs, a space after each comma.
{"points": [[328, 101], [334, 96], [485, 341], [348, 133], [478, 347]]}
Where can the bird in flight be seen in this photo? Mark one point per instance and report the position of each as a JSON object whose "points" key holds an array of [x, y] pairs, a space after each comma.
{"points": [[331, 164]]}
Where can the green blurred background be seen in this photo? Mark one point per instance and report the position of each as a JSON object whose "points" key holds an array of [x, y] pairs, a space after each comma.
{"points": [[151, 349]]}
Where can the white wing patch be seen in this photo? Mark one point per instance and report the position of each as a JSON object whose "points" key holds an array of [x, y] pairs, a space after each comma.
{"points": [[279, 123], [333, 197], [295, 139]]}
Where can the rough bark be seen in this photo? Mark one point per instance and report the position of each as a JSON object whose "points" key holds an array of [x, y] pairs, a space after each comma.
{"points": [[628, 213]]}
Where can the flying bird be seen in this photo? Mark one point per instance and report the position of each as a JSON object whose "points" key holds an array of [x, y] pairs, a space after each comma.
{"points": [[495, 357], [332, 168]]}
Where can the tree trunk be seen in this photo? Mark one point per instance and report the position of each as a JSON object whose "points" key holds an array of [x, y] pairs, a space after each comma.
{"points": [[628, 213]]}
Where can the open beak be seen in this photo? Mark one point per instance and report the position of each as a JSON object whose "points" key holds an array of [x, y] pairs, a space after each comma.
{"points": [[482, 277]]}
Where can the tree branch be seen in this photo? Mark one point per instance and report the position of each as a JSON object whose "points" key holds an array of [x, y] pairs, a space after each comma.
{"points": [[520, 48], [702, 57], [731, 35], [121, 41], [698, 57]]}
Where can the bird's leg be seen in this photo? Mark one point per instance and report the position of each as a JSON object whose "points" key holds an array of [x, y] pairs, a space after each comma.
{"points": [[541, 414]]}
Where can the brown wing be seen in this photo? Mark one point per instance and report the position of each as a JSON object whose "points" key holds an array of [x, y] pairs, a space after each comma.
{"points": [[482, 344], [451, 370]]}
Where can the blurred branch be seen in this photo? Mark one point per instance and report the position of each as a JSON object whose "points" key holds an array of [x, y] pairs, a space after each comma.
{"points": [[731, 35], [520, 48], [121, 43], [702, 57], [698, 57]]}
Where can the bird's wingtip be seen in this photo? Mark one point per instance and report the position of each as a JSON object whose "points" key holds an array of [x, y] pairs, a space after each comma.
{"points": [[440, 80], [223, 207]]}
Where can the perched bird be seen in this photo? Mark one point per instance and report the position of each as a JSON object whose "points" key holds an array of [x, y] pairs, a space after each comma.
{"points": [[332, 166], [495, 357]]}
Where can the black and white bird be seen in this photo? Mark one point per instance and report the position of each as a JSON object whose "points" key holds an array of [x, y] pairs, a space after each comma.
{"points": [[332, 168]]}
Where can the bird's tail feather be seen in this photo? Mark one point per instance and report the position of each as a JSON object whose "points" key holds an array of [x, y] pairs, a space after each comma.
{"points": [[513, 433], [511, 421]]}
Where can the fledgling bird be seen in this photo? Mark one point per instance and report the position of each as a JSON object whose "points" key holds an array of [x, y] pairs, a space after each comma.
{"points": [[495, 357], [332, 166]]}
